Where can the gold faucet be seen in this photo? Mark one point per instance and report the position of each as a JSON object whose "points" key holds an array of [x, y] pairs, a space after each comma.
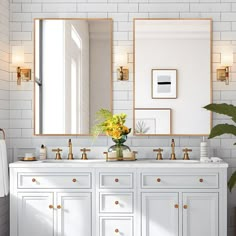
{"points": [[159, 155], [70, 154], [186, 156], [172, 156], [58, 154], [84, 154]]}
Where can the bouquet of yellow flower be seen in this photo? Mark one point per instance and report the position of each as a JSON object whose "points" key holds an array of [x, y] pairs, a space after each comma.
{"points": [[111, 125]]}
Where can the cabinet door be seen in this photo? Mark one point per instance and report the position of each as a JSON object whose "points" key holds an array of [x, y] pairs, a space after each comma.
{"points": [[160, 214], [74, 214], [35, 214], [200, 214]]}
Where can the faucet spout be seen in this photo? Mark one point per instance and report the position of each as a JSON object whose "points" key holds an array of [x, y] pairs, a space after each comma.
{"points": [[172, 156], [70, 154]]}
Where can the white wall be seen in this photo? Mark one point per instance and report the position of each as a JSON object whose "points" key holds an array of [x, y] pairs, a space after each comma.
{"points": [[4, 98], [223, 13]]}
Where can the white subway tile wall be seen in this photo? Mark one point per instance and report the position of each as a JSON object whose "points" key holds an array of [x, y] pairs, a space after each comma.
{"points": [[16, 102]]}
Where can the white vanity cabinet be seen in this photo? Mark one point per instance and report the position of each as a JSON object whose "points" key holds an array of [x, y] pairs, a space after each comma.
{"points": [[182, 202], [161, 212], [34, 215], [51, 203], [116, 201], [49, 214], [118, 198]]}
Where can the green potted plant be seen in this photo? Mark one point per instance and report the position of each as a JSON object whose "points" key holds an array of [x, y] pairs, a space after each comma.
{"points": [[220, 129]]}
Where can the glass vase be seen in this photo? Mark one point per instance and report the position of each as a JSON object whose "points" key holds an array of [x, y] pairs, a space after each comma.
{"points": [[119, 147]]}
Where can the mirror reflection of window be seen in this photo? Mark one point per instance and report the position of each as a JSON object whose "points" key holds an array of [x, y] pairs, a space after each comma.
{"points": [[74, 111], [53, 78], [77, 79], [73, 61], [76, 64]]}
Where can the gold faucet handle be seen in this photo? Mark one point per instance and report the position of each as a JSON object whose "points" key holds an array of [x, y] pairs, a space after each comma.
{"points": [[186, 156], [58, 154], [159, 154], [84, 154]]}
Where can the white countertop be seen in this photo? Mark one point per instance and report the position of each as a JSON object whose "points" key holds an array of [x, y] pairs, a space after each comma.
{"points": [[145, 163]]}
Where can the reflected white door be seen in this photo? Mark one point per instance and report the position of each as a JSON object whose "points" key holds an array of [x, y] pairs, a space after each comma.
{"points": [[35, 214], [160, 214], [200, 214], [74, 214]]}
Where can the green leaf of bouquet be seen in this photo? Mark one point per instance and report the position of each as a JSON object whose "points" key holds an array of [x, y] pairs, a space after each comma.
{"points": [[232, 181], [222, 129], [223, 108]]}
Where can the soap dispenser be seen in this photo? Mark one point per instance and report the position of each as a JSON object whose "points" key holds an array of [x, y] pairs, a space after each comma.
{"points": [[43, 153], [203, 150]]}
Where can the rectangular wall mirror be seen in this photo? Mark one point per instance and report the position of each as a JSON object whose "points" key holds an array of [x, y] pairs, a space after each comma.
{"points": [[172, 66], [73, 74]]}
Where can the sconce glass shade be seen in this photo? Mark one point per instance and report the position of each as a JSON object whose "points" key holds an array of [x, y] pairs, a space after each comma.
{"points": [[121, 59], [17, 55], [227, 59]]}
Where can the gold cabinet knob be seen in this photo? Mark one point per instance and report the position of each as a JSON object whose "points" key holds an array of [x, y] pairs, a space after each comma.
{"points": [[58, 206], [50, 206], [176, 206], [116, 230], [185, 206], [116, 180], [33, 180], [74, 180], [116, 202], [201, 180], [158, 180]]}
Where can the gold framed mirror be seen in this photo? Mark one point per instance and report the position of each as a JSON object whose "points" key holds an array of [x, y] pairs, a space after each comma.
{"points": [[172, 70], [73, 74]]}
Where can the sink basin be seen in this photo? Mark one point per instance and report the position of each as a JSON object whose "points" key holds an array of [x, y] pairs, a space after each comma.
{"points": [[103, 160], [72, 161], [171, 161]]}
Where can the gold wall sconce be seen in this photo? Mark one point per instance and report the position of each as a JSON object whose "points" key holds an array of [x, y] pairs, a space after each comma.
{"points": [[122, 73], [18, 61], [223, 73]]}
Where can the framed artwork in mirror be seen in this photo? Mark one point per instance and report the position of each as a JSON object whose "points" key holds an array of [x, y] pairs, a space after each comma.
{"points": [[153, 121], [164, 83]]}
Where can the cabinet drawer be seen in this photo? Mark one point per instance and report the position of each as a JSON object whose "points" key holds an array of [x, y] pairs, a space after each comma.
{"points": [[54, 180], [116, 202], [119, 180], [116, 226], [179, 181]]}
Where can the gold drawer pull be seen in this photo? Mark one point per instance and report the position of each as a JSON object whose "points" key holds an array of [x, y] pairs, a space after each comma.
{"points": [[58, 206], [50, 206], [176, 206], [185, 206], [74, 180], [116, 202], [201, 180], [33, 180], [116, 180], [116, 230], [158, 180]]}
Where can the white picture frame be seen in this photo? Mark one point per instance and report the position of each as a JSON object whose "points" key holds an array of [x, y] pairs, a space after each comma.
{"points": [[153, 121], [164, 83]]}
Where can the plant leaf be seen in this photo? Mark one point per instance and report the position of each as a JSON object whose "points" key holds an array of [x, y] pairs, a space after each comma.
{"points": [[222, 129], [223, 108], [232, 181]]}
